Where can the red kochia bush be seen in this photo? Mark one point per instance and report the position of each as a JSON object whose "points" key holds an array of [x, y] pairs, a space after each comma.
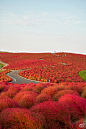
{"points": [[15, 88], [20, 94], [27, 101], [39, 87], [51, 90], [8, 93], [55, 115], [16, 118], [79, 89], [7, 103], [42, 97], [27, 88], [75, 104], [63, 92]]}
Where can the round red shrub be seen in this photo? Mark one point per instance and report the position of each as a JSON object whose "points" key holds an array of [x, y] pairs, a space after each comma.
{"points": [[40, 118], [42, 97], [55, 115], [27, 101], [20, 94], [75, 104], [8, 93], [60, 86], [27, 88], [39, 87], [79, 89], [15, 88], [7, 103], [63, 92], [16, 118], [51, 90]]}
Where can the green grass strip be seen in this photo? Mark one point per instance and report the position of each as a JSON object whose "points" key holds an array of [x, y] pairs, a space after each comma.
{"points": [[1, 65], [82, 74]]}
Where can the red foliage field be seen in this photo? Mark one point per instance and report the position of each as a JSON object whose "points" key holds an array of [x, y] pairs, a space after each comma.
{"points": [[57, 104], [57, 69], [60, 67]]}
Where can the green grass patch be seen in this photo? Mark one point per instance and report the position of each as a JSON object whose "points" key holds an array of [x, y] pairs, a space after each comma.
{"points": [[82, 74], [1, 65]]}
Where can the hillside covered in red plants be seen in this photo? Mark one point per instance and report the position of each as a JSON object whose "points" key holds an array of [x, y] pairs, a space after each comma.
{"points": [[57, 67], [60, 104]]}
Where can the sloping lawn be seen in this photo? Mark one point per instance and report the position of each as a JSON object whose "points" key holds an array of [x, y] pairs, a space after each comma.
{"points": [[82, 74], [1, 65]]}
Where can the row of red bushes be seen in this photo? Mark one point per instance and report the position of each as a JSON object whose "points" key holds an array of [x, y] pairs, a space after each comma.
{"points": [[42, 105]]}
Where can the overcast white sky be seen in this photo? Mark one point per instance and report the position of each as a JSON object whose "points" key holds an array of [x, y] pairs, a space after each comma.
{"points": [[43, 25]]}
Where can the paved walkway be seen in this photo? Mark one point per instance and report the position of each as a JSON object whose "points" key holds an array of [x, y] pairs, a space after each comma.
{"points": [[16, 78], [19, 79]]}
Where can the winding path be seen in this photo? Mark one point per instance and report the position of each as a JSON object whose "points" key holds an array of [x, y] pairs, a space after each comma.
{"points": [[19, 79], [16, 78]]}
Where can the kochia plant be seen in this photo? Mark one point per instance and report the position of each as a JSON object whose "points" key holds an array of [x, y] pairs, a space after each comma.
{"points": [[7, 103], [79, 89], [51, 90], [63, 92], [27, 101], [56, 116], [75, 104], [42, 97], [16, 118], [20, 94], [39, 87]]}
